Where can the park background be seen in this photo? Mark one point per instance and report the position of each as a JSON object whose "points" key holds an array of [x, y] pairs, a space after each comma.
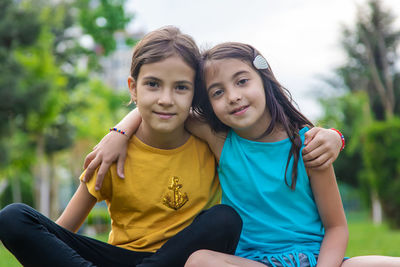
{"points": [[63, 70]]}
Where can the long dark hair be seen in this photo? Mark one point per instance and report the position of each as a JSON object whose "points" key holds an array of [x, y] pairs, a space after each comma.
{"points": [[278, 100]]}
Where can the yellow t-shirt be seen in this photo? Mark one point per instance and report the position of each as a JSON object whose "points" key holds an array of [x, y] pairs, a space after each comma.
{"points": [[161, 194]]}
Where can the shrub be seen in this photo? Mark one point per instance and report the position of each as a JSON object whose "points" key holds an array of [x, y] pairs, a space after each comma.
{"points": [[381, 155]]}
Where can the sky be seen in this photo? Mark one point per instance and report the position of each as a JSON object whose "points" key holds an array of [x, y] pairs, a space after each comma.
{"points": [[299, 38]]}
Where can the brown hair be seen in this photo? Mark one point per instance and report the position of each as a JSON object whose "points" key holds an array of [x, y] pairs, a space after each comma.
{"points": [[278, 99], [163, 43]]}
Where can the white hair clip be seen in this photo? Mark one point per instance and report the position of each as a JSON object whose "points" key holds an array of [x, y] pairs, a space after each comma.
{"points": [[260, 63]]}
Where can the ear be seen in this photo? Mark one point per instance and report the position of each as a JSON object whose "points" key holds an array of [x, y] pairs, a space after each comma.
{"points": [[132, 88]]}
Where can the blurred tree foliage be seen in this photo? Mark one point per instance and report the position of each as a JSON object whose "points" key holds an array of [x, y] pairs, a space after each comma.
{"points": [[369, 87], [49, 51], [371, 47], [350, 113], [19, 28], [381, 154], [100, 19]]}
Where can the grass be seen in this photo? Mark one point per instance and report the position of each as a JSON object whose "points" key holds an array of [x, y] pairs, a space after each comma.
{"points": [[368, 239], [365, 239], [6, 258]]}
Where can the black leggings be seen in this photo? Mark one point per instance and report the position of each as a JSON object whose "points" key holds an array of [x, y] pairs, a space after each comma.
{"points": [[35, 240]]}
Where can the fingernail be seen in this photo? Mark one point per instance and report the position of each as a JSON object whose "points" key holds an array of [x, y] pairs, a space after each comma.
{"points": [[96, 188]]}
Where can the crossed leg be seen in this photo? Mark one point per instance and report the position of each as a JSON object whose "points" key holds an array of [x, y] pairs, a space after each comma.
{"points": [[208, 258], [372, 261]]}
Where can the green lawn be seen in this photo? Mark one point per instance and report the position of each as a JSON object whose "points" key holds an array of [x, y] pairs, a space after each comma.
{"points": [[365, 238]]}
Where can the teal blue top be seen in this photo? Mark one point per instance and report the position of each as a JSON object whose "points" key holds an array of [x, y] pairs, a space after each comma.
{"points": [[277, 221]]}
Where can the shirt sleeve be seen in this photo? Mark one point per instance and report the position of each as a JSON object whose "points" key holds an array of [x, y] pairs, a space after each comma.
{"points": [[105, 191]]}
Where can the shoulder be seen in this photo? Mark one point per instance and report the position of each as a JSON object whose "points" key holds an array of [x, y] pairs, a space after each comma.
{"points": [[198, 146]]}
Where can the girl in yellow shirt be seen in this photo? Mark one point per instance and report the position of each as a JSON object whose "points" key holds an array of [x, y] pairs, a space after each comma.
{"points": [[165, 208]]}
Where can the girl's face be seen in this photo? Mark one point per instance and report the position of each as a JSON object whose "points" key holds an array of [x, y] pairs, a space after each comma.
{"points": [[237, 96], [163, 93]]}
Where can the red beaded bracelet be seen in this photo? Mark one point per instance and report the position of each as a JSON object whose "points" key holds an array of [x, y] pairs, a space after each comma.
{"points": [[118, 131], [341, 137]]}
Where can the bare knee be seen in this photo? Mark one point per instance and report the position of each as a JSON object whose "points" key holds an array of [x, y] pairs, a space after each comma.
{"points": [[199, 258], [372, 261]]}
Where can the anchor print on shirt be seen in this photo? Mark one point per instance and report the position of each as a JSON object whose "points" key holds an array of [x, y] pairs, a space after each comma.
{"points": [[176, 199]]}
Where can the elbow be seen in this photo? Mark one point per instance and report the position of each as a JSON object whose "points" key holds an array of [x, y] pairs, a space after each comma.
{"points": [[343, 231], [346, 233]]}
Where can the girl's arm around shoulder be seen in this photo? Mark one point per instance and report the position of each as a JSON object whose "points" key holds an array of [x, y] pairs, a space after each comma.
{"points": [[203, 131], [322, 147], [330, 208], [77, 209]]}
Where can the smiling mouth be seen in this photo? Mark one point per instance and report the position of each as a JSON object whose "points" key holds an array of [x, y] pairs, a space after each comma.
{"points": [[239, 110], [164, 115]]}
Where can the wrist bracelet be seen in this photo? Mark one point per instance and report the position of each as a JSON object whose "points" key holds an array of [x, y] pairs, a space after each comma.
{"points": [[118, 131], [341, 137]]}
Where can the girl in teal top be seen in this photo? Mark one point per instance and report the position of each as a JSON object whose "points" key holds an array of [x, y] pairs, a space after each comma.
{"points": [[292, 215], [275, 216]]}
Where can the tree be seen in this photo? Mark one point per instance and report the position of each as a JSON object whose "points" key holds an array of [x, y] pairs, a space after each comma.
{"points": [[67, 27], [381, 154], [371, 49], [19, 28], [350, 113], [45, 62]]}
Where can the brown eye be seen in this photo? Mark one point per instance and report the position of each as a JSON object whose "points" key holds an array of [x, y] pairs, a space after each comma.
{"points": [[182, 87], [217, 93], [152, 84], [242, 81]]}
